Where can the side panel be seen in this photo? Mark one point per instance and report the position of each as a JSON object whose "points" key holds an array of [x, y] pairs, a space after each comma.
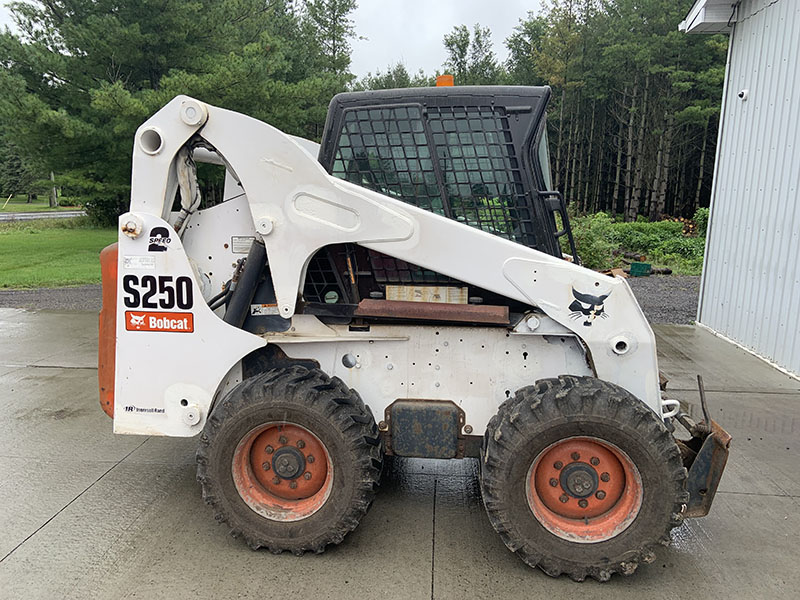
{"points": [[172, 350], [216, 238], [475, 367]]}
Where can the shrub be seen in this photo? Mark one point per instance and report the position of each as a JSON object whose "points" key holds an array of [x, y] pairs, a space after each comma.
{"points": [[701, 221], [601, 242], [594, 240], [104, 211]]}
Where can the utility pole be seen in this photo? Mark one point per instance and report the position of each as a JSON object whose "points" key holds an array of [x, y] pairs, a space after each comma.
{"points": [[53, 193]]}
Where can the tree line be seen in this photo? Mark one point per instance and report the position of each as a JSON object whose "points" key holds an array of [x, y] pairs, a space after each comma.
{"points": [[632, 121], [633, 118]]}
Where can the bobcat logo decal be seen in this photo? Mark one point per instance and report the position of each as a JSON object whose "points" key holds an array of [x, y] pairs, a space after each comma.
{"points": [[137, 320], [587, 307]]}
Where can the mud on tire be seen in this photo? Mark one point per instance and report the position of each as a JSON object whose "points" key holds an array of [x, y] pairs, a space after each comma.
{"points": [[292, 404], [536, 421]]}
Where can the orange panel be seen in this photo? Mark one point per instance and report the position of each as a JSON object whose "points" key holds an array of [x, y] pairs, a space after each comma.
{"points": [[445, 81], [108, 328]]}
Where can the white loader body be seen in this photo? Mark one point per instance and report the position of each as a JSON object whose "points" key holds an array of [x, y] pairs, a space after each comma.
{"points": [[175, 356]]}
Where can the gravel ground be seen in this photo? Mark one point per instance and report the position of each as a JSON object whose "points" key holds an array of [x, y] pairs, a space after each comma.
{"points": [[84, 297], [664, 298], [667, 298]]}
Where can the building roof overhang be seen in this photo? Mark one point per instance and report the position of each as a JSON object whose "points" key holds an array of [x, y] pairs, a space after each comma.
{"points": [[709, 16]]}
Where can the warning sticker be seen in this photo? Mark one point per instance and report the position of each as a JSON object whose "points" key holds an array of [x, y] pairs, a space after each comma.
{"points": [[170, 322], [262, 310], [139, 262], [240, 244]]}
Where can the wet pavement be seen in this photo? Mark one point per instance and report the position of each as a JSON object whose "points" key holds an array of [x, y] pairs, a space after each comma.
{"points": [[86, 514]]}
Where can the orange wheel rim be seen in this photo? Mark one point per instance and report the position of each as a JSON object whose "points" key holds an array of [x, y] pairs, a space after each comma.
{"points": [[583, 489], [282, 471]]}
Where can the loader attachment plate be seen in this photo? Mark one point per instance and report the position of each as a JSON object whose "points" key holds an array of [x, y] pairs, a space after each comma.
{"points": [[706, 470]]}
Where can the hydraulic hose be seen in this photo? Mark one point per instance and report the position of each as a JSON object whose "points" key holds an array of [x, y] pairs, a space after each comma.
{"points": [[242, 293]]}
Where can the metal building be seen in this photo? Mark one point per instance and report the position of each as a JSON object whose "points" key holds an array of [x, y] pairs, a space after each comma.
{"points": [[750, 289]]}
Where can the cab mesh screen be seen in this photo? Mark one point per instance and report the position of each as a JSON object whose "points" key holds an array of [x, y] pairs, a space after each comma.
{"points": [[475, 179], [455, 161]]}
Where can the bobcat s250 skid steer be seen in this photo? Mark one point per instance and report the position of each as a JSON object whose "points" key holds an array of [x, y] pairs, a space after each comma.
{"points": [[398, 290]]}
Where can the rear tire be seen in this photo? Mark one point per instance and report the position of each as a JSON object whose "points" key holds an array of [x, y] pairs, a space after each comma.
{"points": [[290, 459], [552, 507]]}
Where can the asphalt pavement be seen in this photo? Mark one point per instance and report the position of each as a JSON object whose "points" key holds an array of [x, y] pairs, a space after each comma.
{"points": [[30, 216], [87, 514]]}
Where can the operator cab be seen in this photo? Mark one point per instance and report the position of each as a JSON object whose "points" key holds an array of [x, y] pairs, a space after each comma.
{"points": [[475, 154]]}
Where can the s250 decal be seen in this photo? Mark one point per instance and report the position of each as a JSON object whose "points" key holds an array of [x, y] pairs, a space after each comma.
{"points": [[162, 291]]}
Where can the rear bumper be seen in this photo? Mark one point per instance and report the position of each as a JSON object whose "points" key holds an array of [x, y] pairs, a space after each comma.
{"points": [[107, 345]]}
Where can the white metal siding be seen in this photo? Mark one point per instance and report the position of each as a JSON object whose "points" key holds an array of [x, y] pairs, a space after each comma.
{"points": [[751, 281]]}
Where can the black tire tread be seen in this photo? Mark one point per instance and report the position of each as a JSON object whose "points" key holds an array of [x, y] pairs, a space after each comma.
{"points": [[554, 397], [327, 396]]}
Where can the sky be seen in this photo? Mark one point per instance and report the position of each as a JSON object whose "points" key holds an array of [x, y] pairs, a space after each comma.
{"points": [[411, 31], [5, 18]]}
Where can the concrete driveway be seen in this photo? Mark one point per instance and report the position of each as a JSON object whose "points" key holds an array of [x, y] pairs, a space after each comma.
{"points": [[86, 514]]}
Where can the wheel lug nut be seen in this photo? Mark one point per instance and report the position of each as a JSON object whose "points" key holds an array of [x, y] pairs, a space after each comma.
{"points": [[605, 476], [558, 464], [269, 449], [283, 439], [265, 466], [293, 484], [595, 461], [307, 476], [276, 480], [554, 482], [301, 444], [600, 494], [575, 456], [310, 458], [563, 498], [583, 503]]}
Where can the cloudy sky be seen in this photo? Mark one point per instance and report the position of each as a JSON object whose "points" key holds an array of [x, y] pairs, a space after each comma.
{"points": [[411, 31], [4, 18]]}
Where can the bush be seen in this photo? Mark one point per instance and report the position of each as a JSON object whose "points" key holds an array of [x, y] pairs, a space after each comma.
{"points": [[103, 202], [104, 212], [701, 221], [594, 240], [601, 242]]}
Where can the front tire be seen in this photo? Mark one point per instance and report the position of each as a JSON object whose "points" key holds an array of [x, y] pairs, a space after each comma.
{"points": [[580, 478], [290, 459]]}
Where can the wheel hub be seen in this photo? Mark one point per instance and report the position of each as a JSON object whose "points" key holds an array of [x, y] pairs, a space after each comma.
{"points": [[579, 480], [288, 462]]}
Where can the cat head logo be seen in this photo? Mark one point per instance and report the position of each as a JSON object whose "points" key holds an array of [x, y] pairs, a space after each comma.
{"points": [[159, 238], [588, 307], [137, 320]]}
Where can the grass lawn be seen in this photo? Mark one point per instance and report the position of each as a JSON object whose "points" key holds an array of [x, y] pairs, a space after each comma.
{"points": [[41, 204], [51, 252]]}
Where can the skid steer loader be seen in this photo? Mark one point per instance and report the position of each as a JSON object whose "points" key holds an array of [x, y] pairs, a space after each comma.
{"points": [[397, 290]]}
